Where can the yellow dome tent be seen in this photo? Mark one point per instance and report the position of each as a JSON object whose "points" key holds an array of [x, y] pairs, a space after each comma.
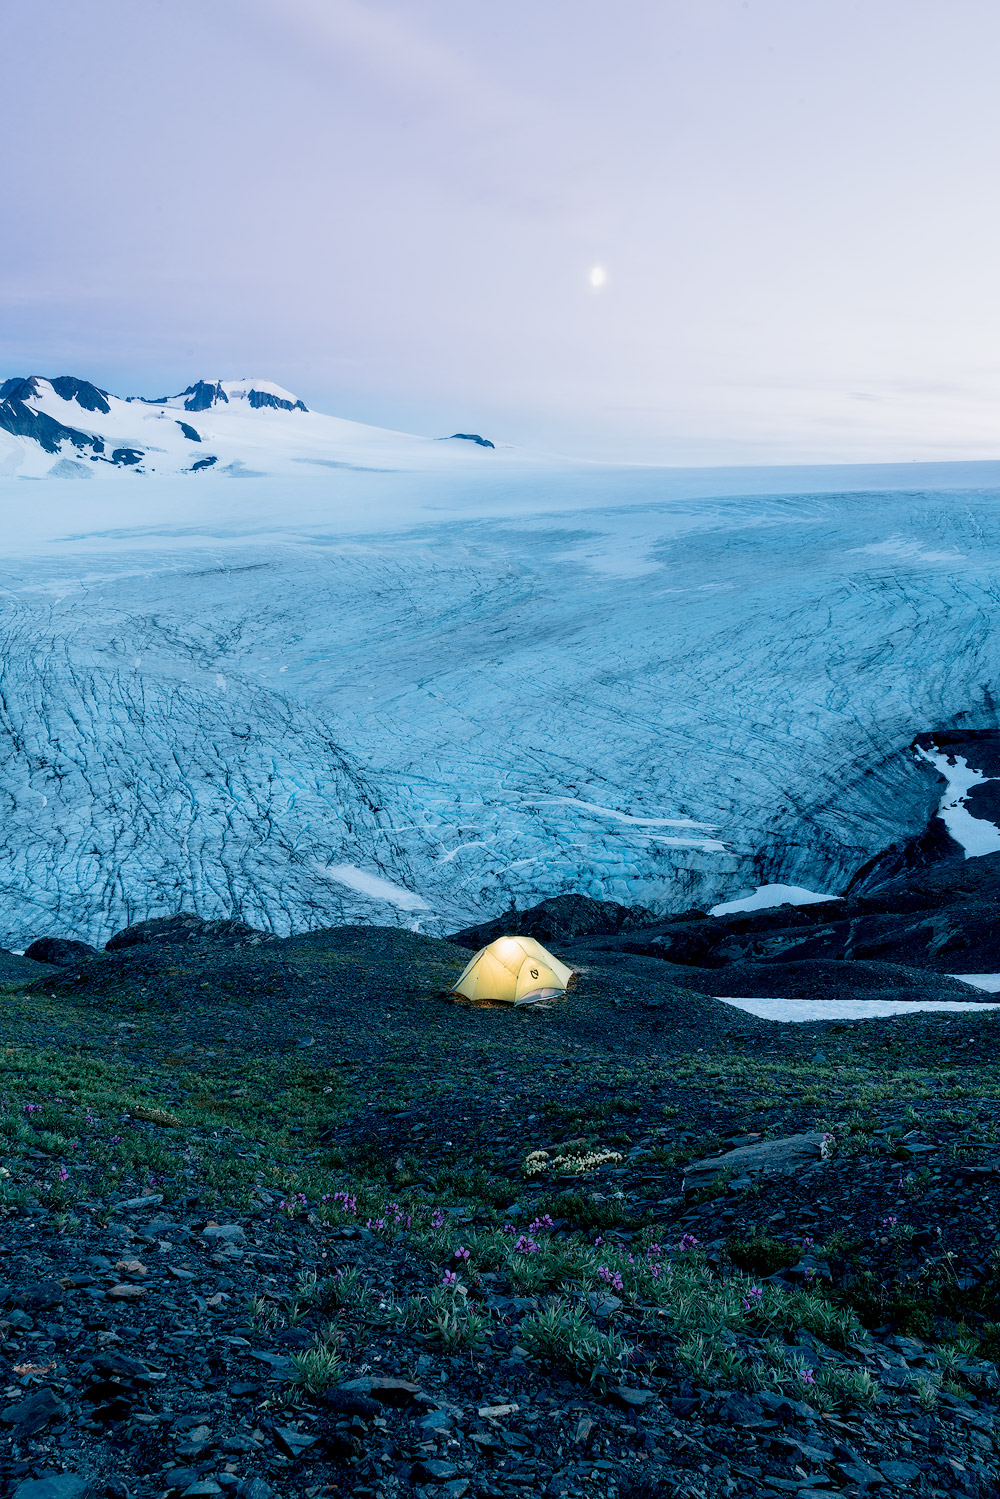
{"points": [[515, 971]]}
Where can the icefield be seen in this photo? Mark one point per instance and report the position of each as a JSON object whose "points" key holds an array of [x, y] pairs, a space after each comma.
{"points": [[417, 691]]}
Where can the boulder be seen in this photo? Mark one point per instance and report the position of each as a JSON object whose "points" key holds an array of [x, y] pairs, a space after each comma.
{"points": [[34, 1412], [227, 1233], [62, 951], [54, 1486], [790, 1154]]}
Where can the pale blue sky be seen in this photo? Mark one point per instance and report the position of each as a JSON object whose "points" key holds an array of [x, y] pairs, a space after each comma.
{"points": [[393, 208]]}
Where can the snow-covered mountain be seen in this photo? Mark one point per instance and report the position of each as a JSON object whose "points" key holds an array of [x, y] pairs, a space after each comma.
{"points": [[69, 428], [260, 395], [412, 681]]}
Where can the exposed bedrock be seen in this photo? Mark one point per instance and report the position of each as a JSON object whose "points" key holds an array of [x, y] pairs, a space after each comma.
{"points": [[941, 920]]}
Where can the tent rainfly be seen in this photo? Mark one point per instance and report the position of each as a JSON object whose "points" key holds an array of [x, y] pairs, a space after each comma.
{"points": [[515, 971]]}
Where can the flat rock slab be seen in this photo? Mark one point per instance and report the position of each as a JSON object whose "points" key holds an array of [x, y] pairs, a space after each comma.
{"points": [[389, 1391], [133, 1204], [54, 1486], [227, 1233], [630, 1398], [790, 1154], [31, 1414]]}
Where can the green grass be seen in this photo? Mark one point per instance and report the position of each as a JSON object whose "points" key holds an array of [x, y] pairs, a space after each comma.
{"points": [[563, 1338]]}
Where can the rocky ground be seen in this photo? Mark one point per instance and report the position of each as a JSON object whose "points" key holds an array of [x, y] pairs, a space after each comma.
{"points": [[281, 1218]]}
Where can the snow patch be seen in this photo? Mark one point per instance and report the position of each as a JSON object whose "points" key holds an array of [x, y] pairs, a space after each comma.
{"points": [[988, 981], [973, 834], [903, 550], [373, 885], [767, 896], [67, 468], [705, 845], [799, 1010], [645, 822]]}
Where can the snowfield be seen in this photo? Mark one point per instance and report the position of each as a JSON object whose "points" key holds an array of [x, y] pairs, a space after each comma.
{"points": [[801, 1011], [414, 688]]}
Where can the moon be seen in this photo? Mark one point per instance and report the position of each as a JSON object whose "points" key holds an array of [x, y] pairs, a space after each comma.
{"points": [[598, 276]]}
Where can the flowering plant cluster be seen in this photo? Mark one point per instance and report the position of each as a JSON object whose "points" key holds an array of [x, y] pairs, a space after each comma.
{"points": [[541, 1161], [390, 1220], [297, 1203]]}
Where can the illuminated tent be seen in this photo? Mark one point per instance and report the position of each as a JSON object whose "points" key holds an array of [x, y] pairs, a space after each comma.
{"points": [[514, 970]]}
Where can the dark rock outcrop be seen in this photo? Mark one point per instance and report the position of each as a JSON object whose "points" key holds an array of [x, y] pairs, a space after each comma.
{"points": [[62, 951], [186, 927], [205, 394], [558, 919], [260, 399], [20, 420], [941, 918], [201, 396], [189, 432], [818, 979], [483, 442], [82, 392]]}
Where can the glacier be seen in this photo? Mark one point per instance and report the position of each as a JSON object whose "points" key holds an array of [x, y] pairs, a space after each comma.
{"points": [[425, 686]]}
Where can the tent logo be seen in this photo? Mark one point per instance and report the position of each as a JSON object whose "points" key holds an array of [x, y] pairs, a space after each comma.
{"points": [[534, 972]]}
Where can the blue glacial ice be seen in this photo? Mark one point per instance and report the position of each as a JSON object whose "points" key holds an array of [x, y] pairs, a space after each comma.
{"points": [[416, 698]]}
